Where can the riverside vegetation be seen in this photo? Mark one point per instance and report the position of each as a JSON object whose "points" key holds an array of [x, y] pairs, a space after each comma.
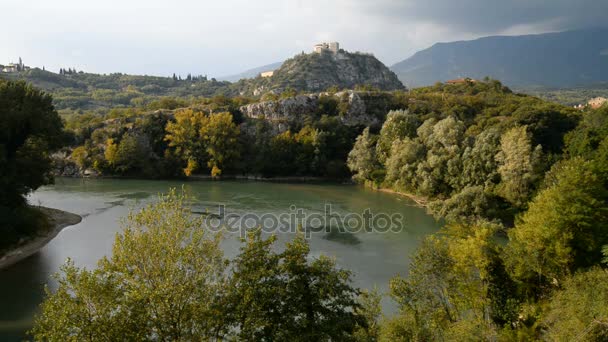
{"points": [[488, 161]]}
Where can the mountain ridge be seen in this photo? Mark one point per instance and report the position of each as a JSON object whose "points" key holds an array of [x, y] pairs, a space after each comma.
{"points": [[558, 59]]}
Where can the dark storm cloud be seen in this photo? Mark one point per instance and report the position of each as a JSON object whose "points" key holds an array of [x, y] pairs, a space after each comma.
{"points": [[488, 16]]}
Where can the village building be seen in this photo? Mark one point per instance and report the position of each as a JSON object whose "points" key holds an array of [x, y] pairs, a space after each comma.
{"points": [[267, 73], [460, 80], [14, 67], [597, 102]]}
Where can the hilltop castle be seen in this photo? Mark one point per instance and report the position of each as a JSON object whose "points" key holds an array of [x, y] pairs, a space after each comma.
{"points": [[333, 47]]}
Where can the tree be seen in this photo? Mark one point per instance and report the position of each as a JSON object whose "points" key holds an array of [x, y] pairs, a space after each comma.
{"points": [[455, 290], [286, 297], [563, 229], [219, 136], [362, 158], [398, 125], [184, 136], [30, 130], [441, 170], [165, 280], [519, 165], [402, 164], [578, 312]]}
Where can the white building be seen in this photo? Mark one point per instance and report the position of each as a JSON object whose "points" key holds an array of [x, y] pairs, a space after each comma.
{"points": [[267, 73], [11, 68]]}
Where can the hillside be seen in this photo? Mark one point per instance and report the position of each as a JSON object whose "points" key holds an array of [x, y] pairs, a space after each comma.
{"points": [[251, 73], [87, 91], [563, 59], [316, 72]]}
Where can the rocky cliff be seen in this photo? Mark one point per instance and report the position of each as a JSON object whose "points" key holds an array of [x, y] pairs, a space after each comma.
{"points": [[354, 108]]}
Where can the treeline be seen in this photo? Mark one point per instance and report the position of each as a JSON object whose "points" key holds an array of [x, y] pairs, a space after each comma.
{"points": [[74, 92], [543, 165], [474, 151], [211, 139]]}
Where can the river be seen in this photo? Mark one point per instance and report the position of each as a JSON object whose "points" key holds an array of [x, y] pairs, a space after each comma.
{"points": [[373, 256]]}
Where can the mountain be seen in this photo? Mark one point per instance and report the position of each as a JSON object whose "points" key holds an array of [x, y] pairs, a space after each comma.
{"points": [[251, 73], [562, 59], [314, 72]]}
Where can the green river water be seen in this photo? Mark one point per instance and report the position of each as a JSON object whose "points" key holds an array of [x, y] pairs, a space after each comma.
{"points": [[373, 257]]}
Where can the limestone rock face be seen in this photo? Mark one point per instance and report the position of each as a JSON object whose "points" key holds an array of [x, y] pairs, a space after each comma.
{"points": [[354, 109], [286, 109]]}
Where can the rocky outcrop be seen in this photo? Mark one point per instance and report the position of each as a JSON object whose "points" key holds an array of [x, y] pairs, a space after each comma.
{"points": [[319, 71], [353, 108]]}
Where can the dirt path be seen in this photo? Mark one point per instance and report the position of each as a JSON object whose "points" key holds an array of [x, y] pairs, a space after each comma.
{"points": [[58, 220]]}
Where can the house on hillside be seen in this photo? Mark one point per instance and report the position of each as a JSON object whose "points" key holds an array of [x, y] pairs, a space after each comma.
{"points": [[11, 68], [14, 67], [267, 73], [597, 102], [461, 80]]}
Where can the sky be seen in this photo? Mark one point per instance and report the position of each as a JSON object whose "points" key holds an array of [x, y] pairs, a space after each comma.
{"points": [[224, 37]]}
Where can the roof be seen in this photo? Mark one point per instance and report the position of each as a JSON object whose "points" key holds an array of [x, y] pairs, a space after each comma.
{"points": [[460, 80]]}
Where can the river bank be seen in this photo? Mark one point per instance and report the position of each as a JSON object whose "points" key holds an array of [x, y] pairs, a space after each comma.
{"points": [[58, 220]]}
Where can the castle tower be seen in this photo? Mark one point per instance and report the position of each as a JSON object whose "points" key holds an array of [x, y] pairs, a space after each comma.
{"points": [[334, 47]]}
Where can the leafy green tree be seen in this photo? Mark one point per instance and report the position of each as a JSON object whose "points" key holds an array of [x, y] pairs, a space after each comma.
{"points": [[479, 164], [402, 165], [30, 130], [440, 171], [563, 229], [219, 135], [283, 149], [399, 124], [286, 297], [578, 312], [80, 156], [455, 289], [165, 280], [587, 137], [184, 136], [519, 165], [362, 158], [130, 155]]}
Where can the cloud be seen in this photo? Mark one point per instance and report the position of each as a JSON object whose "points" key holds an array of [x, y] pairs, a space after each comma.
{"points": [[493, 16], [219, 37]]}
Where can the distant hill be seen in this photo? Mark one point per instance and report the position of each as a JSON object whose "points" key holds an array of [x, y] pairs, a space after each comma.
{"points": [[251, 73], [562, 59], [86, 91], [315, 72]]}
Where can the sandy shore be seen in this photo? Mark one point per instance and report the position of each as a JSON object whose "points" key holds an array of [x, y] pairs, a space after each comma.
{"points": [[421, 202], [58, 220]]}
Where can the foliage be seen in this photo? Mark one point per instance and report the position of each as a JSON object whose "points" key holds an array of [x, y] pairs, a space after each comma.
{"points": [[456, 142], [164, 281], [219, 135], [167, 279], [452, 292], [362, 159], [564, 227], [30, 130], [578, 311]]}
